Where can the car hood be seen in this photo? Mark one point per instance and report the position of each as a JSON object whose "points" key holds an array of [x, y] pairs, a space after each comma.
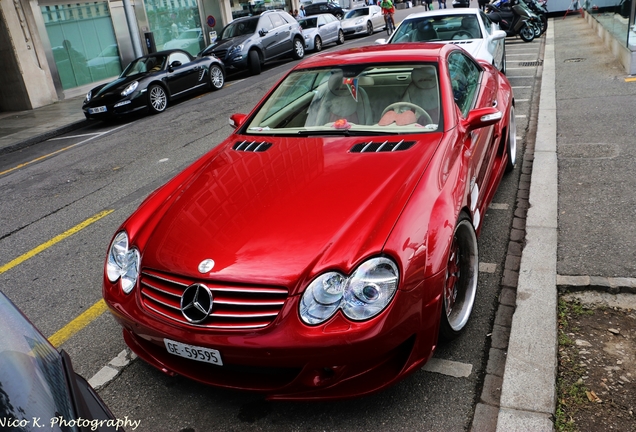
{"points": [[226, 44], [473, 46], [300, 207], [117, 86], [352, 21]]}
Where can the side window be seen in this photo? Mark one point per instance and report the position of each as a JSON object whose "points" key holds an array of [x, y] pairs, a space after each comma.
{"points": [[487, 22], [179, 57], [324, 9], [277, 21], [464, 74], [265, 23], [321, 20]]}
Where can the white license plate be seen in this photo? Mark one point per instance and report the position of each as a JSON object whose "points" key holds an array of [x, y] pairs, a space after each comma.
{"points": [[192, 352], [97, 110]]}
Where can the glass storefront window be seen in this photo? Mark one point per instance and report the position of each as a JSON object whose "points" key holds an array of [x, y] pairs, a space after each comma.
{"points": [[241, 8], [83, 42], [176, 24]]}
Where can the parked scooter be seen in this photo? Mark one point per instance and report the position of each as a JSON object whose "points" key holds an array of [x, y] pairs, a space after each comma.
{"points": [[514, 17], [541, 11]]}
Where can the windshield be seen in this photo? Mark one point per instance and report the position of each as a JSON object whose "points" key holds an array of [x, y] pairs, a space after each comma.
{"points": [[354, 13], [308, 23], [144, 64], [438, 28], [240, 28], [378, 99]]}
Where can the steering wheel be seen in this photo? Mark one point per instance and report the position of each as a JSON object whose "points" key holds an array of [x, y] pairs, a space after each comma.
{"points": [[419, 111], [462, 34]]}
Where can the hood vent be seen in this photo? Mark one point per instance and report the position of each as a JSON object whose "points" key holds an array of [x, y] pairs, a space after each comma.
{"points": [[251, 146], [385, 146], [462, 42]]}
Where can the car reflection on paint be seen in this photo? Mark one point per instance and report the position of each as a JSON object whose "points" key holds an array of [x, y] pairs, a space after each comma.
{"points": [[38, 388]]}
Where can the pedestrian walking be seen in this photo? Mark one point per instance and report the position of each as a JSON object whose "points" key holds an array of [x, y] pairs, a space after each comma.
{"points": [[442, 4], [429, 5], [301, 12]]}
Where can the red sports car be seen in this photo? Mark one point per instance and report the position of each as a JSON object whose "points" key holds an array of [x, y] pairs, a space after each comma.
{"points": [[322, 250]]}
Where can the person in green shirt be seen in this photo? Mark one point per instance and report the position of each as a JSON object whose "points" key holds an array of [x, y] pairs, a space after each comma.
{"points": [[388, 10]]}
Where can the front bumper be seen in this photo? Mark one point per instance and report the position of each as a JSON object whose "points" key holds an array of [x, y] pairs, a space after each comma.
{"points": [[289, 360], [115, 108]]}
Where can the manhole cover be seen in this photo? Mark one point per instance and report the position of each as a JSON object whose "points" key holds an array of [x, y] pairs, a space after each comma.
{"points": [[574, 60]]}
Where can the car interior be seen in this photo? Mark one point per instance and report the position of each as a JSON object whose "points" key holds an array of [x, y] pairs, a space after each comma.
{"points": [[391, 96], [442, 28]]}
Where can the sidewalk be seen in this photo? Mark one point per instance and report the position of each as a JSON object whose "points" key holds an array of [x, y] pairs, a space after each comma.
{"points": [[22, 128], [578, 207]]}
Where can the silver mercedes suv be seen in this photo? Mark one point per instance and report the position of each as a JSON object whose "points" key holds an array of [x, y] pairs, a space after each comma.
{"points": [[249, 42]]}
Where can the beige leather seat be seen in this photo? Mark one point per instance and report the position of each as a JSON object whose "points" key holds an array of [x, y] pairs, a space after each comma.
{"points": [[337, 102], [423, 91]]}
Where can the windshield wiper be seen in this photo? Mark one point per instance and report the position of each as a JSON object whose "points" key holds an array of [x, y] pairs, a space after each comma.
{"points": [[343, 132]]}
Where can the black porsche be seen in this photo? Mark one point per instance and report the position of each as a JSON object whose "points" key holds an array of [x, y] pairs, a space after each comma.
{"points": [[151, 81]]}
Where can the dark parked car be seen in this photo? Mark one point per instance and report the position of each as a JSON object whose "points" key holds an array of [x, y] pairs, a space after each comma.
{"points": [[38, 387], [150, 82], [248, 42], [325, 7]]}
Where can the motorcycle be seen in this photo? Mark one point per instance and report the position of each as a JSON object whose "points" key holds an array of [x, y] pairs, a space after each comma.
{"points": [[514, 17], [541, 11]]}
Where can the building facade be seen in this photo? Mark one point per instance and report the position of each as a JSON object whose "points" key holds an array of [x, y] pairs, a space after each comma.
{"points": [[53, 50]]}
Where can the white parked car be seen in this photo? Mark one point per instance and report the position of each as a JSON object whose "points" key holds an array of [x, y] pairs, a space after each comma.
{"points": [[319, 30], [363, 20], [468, 28], [190, 41]]}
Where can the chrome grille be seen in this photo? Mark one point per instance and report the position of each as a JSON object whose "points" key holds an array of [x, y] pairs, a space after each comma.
{"points": [[385, 146], [235, 306]]}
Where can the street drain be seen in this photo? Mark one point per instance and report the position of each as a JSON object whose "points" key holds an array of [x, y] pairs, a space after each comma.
{"points": [[532, 63], [574, 60]]}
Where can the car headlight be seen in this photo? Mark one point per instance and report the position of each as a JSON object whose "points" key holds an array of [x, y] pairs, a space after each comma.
{"points": [[360, 21], [122, 262], [236, 49], [360, 296], [131, 88], [89, 95]]}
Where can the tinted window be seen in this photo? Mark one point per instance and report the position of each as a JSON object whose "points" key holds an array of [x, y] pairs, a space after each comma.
{"points": [[239, 28], [277, 21], [265, 23], [464, 74], [180, 57]]}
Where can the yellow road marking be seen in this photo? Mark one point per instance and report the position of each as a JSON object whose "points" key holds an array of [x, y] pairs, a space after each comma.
{"points": [[54, 240], [91, 313], [22, 165], [88, 316], [630, 79]]}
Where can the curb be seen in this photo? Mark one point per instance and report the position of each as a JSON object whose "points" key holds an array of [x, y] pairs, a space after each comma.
{"points": [[44, 136]]}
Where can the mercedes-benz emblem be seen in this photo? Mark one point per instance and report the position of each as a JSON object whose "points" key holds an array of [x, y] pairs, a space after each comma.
{"points": [[206, 266], [196, 303]]}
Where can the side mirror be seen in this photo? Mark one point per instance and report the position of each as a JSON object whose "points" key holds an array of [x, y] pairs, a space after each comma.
{"points": [[380, 42], [175, 64], [262, 32], [482, 117], [237, 120], [498, 34]]}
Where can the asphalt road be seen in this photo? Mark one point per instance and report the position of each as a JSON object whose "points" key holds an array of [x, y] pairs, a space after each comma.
{"points": [[67, 206]]}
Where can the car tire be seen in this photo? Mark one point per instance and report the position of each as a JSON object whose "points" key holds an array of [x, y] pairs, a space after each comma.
{"points": [[369, 28], [254, 63], [217, 77], [299, 49], [460, 286], [341, 38], [511, 144], [157, 99], [318, 43]]}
